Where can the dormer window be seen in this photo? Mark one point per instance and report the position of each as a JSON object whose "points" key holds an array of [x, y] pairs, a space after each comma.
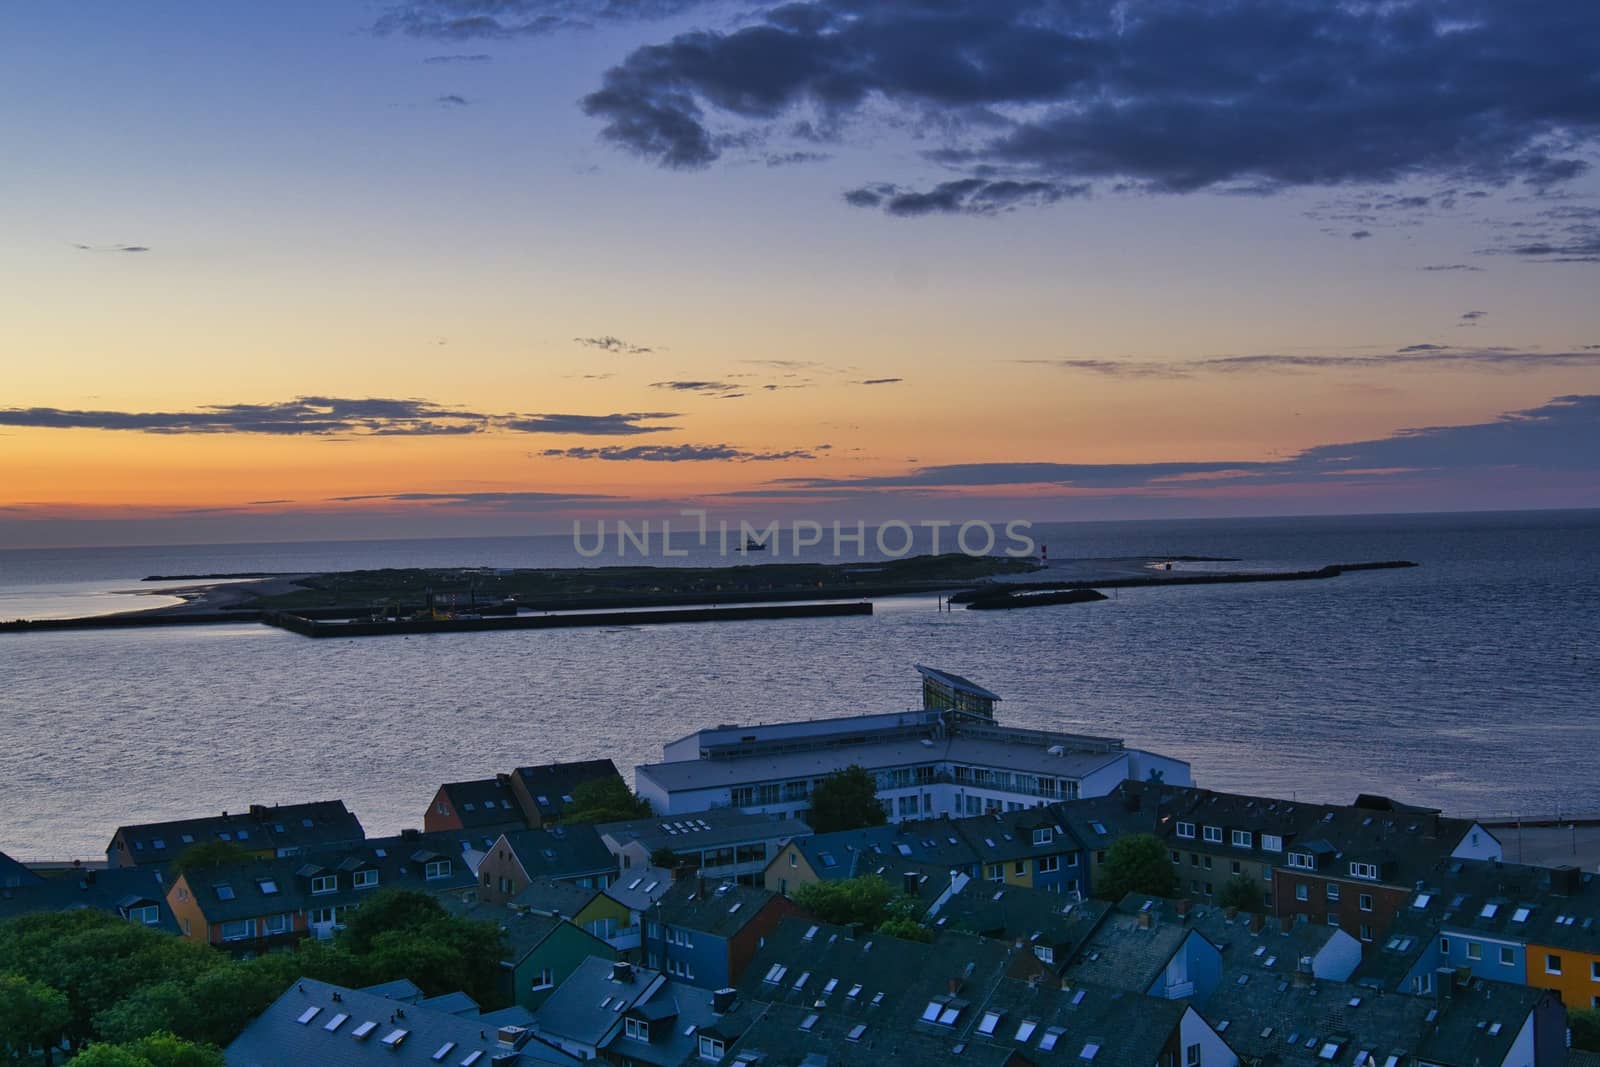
{"points": [[324, 883], [1186, 829], [436, 869], [1364, 870], [366, 879], [1043, 836], [1242, 839], [1272, 843], [1213, 834], [637, 1029], [712, 1048], [1303, 860]]}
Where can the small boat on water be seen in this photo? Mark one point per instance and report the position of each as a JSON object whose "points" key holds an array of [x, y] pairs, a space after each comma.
{"points": [[754, 546]]}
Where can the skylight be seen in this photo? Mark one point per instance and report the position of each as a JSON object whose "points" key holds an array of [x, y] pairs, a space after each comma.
{"points": [[444, 1050], [1488, 911], [808, 1022], [1520, 915], [268, 886], [307, 1015], [1026, 1028], [364, 1031], [800, 983], [856, 1032], [1090, 1051], [776, 972], [991, 1019], [1051, 1036], [830, 986], [335, 1022], [224, 891], [395, 1038], [1422, 900]]}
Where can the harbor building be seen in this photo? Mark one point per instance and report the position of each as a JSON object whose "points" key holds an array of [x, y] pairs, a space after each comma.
{"points": [[951, 757]]}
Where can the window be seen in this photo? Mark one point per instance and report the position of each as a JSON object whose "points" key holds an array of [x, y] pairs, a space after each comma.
{"points": [[274, 924], [1043, 836], [1594, 972], [1020, 867], [637, 1029], [1366, 932], [1333, 890], [543, 979], [1508, 956], [1242, 839], [366, 879], [1444, 946], [149, 914], [712, 1048], [1186, 829], [1237, 868], [991, 1019], [1301, 892], [1552, 963], [1272, 842], [1333, 918], [997, 872], [1045, 953], [324, 883], [1474, 950], [1364, 870], [320, 916], [1191, 1056], [1304, 860], [241, 930], [1213, 834], [1365, 901], [794, 858], [436, 869]]}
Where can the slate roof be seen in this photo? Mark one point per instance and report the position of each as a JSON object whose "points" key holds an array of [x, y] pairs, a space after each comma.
{"points": [[1297, 1022], [457, 1003], [1122, 954], [1007, 836], [277, 1036], [716, 828], [113, 889], [549, 896], [289, 827], [1536, 905], [1388, 965], [718, 909], [560, 852], [524, 931], [1095, 822], [587, 1008], [551, 785], [639, 887], [851, 853], [14, 874], [675, 1013], [1128, 1029], [1009, 912], [485, 803], [775, 1039], [283, 885], [1269, 949]]}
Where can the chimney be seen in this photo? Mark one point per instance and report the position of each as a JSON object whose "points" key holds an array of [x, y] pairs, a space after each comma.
{"points": [[909, 882], [1566, 880], [1286, 923], [1184, 906], [502, 779], [622, 972], [1144, 920], [1303, 976], [722, 1001], [954, 985], [1230, 913], [1257, 923], [513, 1036]]}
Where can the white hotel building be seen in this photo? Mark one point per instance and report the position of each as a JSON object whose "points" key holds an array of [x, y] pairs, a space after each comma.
{"points": [[948, 758]]}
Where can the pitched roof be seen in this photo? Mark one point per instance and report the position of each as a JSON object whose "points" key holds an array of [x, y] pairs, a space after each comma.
{"points": [[249, 890], [484, 802], [1128, 951], [640, 887], [1002, 837], [548, 896], [1538, 905], [852, 853], [1010, 912], [587, 1008], [675, 1013], [551, 785], [560, 851], [720, 910], [308, 1025], [282, 828], [13, 873], [1247, 943], [524, 931], [115, 889]]}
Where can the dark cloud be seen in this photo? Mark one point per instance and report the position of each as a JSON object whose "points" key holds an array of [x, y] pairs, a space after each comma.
{"points": [[1473, 316], [965, 196], [306, 415], [1424, 348], [519, 501], [677, 453], [1360, 235], [705, 388], [620, 424], [1115, 368], [451, 100], [499, 20], [1562, 436], [112, 248], [1450, 266], [613, 344], [1567, 233], [880, 381], [1164, 95], [476, 57], [319, 416], [789, 159]]}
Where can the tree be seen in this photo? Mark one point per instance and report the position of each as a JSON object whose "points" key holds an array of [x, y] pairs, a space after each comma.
{"points": [[32, 1015], [605, 800], [666, 858], [405, 934], [1137, 863], [1242, 892], [1585, 1026], [906, 930], [390, 909], [862, 900], [846, 800], [208, 854], [156, 1050]]}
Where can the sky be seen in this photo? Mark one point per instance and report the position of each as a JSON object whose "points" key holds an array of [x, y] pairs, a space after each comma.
{"points": [[452, 267]]}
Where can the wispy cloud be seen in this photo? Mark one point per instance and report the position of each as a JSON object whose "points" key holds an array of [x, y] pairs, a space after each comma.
{"points": [[475, 57], [723, 390], [614, 344], [1450, 267], [111, 248], [319, 416], [500, 20], [451, 100], [879, 381], [1417, 357], [678, 453]]}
